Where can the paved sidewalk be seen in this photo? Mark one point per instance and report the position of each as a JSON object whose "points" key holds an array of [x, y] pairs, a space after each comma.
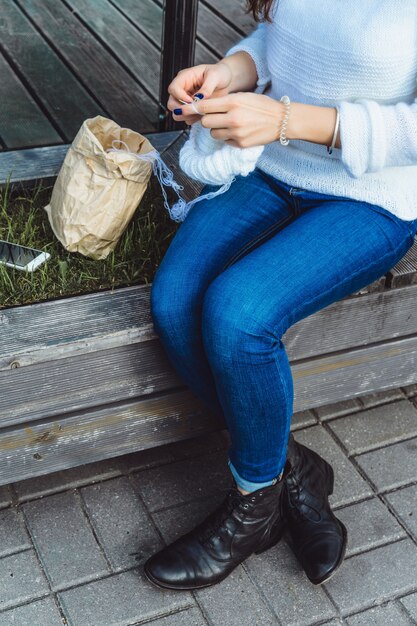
{"points": [[72, 544]]}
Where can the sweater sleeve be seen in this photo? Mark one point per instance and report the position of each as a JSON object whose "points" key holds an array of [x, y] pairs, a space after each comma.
{"points": [[255, 45], [374, 136]]}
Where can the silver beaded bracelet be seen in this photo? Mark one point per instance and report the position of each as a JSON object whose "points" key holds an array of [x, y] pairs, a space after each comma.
{"points": [[336, 128], [282, 137]]}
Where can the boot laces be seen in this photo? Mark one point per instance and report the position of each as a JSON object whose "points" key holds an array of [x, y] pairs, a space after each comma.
{"points": [[233, 499]]}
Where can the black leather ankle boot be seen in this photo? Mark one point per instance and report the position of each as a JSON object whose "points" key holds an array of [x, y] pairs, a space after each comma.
{"points": [[239, 526], [318, 538]]}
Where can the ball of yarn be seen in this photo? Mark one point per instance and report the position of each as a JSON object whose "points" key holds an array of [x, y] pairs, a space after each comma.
{"points": [[215, 162]]}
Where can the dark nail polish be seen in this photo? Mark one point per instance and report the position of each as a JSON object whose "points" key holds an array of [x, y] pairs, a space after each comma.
{"points": [[178, 111], [199, 95]]}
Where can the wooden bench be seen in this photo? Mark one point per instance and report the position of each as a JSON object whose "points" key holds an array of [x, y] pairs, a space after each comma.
{"points": [[85, 378]]}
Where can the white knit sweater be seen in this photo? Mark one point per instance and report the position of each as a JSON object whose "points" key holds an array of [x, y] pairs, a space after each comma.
{"points": [[361, 55]]}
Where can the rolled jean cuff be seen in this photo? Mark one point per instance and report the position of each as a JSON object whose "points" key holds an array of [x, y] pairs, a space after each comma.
{"points": [[248, 485]]}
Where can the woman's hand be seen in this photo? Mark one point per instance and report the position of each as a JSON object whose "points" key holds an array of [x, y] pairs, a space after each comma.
{"points": [[209, 80], [242, 119]]}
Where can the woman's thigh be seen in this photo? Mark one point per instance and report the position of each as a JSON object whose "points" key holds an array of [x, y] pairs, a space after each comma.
{"points": [[213, 233], [330, 251]]}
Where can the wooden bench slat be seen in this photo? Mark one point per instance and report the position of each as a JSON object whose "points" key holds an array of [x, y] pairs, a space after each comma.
{"points": [[64, 98], [204, 55], [133, 50], [64, 442], [405, 271], [66, 365], [214, 31], [37, 163], [22, 123], [59, 387], [146, 14], [118, 428], [105, 320], [234, 12], [99, 71]]}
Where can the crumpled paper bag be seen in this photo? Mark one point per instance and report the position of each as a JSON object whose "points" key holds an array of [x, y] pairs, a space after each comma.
{"points": [[96, 192]]}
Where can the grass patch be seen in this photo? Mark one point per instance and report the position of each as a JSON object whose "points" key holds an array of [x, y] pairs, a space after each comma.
{"points": [[134, 261]]}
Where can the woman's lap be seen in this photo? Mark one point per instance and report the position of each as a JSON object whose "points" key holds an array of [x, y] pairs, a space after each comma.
{"points": [[222, 300]]}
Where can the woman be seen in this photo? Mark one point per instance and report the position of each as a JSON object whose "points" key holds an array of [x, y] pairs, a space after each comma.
{"points": [[330, 207]]}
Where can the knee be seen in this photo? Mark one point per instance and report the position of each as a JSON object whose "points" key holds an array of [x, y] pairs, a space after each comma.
{"points": [[233, 325], [175, 297], [164, 301]]}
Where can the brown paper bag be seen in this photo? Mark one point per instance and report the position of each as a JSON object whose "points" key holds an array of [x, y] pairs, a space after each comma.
{"points": [[97, 192]]}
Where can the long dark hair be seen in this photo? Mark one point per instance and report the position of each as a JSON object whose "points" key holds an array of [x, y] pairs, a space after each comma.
{"points": [[260, 9]]}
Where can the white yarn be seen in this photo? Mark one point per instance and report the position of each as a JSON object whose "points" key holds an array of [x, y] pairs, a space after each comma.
{"points": [[202, 158], [215, 162]]}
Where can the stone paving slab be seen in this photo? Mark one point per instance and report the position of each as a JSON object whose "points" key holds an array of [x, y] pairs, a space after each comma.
{"points": [[301, 419], [40, 613], [404, 503], [338, 409], [410, 604], [183, 481], [391, 467], [410, 391], [13, 533], [294, 600], [22, 580], [178, 520], [390, 613], [175, 451], [349, 484], [376, 427], [381, 397], [188, 617], [66, 479], [235, 602], [92, 527], [369, 524], [121, 600], [375, 576], [64, 540], [122, 524], [5, 496]]}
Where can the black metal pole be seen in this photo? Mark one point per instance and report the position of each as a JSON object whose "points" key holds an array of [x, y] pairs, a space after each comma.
{"points": [[179, 29]]}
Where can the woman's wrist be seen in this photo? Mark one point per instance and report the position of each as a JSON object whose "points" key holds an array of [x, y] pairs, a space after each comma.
{"points": [[243, 70], [313, 123]]}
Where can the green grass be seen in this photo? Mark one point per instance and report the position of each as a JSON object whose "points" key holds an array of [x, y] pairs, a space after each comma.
{"points": [[134, 260]]}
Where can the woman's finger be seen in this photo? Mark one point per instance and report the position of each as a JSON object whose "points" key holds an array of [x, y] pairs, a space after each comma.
{"points": [[221, 134], [216, 120], [211, 105]]}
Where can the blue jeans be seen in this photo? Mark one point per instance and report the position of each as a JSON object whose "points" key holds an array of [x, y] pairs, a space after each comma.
{"points": [[239, 271]]}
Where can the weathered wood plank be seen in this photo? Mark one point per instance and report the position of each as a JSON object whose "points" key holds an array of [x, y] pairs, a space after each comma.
{"points": [[98, 70], [204, 55], [405, 272], [133, 50], [234, 12], [146, 15], [76, 353], [84, 382], [61, 443], [105, 320], [341, 376], [22, 123], [214, 32], [63, 97], [37, 163]]}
